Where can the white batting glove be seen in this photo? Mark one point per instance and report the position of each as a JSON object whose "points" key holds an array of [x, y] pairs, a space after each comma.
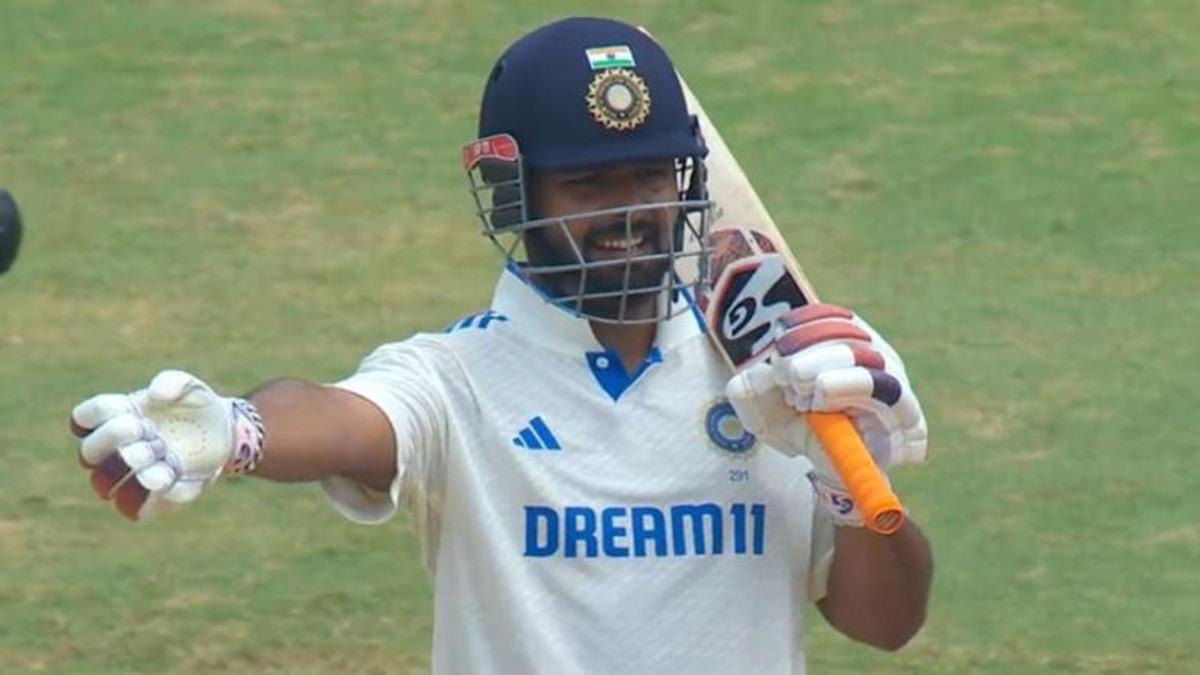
{"points": [[168, 441], [830, 360]]}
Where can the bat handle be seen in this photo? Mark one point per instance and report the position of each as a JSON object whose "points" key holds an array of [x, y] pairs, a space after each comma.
{"points": [[880, 507]]}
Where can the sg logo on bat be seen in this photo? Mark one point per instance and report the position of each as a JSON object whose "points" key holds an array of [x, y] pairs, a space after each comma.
{"points": [[751, 289]]}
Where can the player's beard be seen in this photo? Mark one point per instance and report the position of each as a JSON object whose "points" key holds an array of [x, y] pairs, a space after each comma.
{"points": [[646, 277]]}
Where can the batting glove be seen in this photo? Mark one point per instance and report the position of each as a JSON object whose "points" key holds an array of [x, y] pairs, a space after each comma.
{"points": [[168, 441], [830, 360]]}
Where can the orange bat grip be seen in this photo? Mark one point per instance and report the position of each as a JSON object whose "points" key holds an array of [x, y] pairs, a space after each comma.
{"points": [[880, 507]]}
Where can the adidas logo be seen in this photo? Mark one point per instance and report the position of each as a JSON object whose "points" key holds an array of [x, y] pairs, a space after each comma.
{"points": [[536, 436], [480, 321]]}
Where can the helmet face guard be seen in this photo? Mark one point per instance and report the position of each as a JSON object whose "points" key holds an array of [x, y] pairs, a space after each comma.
{"points": [[643, 287]]}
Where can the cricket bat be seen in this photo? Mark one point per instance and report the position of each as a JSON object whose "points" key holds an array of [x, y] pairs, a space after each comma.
{"points": [[753, 280]]}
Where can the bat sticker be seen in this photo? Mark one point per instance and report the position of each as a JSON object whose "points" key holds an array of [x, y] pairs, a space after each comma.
{"points": [[751, 289]]}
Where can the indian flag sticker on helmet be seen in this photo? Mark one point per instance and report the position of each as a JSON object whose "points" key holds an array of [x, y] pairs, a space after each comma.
{"points": [[617, 56]]}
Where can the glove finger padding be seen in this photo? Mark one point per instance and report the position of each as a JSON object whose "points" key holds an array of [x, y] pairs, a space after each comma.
{"points": [[833, 361], [184, 491], [177, 388], [804, 336], [883, 408], [113, 434], [137, 496], [99, 409], [760, 402], [798, 372], [117, 467]]}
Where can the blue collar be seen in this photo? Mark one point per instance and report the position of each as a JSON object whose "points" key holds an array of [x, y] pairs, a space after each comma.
{"points": [[609, 370]]}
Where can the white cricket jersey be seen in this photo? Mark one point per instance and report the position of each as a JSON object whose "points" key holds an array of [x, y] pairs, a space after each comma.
{"points": [[579, 519]]}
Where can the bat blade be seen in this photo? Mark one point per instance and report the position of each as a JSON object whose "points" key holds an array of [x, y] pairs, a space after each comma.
{"points": [[753, 280]]}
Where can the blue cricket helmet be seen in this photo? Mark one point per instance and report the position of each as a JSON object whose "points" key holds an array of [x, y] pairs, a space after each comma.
{"points": [[546, 92], [578, 93]]}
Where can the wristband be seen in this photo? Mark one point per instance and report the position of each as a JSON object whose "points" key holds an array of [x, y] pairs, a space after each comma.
{"points": [[247, 438]]}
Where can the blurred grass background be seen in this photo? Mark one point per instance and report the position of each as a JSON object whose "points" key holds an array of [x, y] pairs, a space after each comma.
{"points": [[257, 188]]}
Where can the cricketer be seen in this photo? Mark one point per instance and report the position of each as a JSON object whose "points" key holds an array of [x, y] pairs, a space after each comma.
{"points": [[594, 492]]}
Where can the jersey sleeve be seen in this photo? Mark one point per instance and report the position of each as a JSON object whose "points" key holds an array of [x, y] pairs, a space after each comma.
{"points": [[405, 381]]}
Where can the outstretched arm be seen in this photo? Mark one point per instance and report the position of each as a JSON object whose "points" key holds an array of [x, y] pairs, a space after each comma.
{"points": [[315, 431], [174, 438]]}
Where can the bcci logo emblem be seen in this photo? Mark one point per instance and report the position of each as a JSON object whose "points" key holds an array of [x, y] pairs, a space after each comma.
{"points": [[726, 431], [618, 99]]}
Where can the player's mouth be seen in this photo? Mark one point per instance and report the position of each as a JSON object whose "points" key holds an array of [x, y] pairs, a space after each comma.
{"points": [[612, 242], [619, 244]]}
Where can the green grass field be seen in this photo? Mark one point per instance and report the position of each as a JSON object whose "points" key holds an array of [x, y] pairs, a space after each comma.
{"points": [[253, 188]]}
